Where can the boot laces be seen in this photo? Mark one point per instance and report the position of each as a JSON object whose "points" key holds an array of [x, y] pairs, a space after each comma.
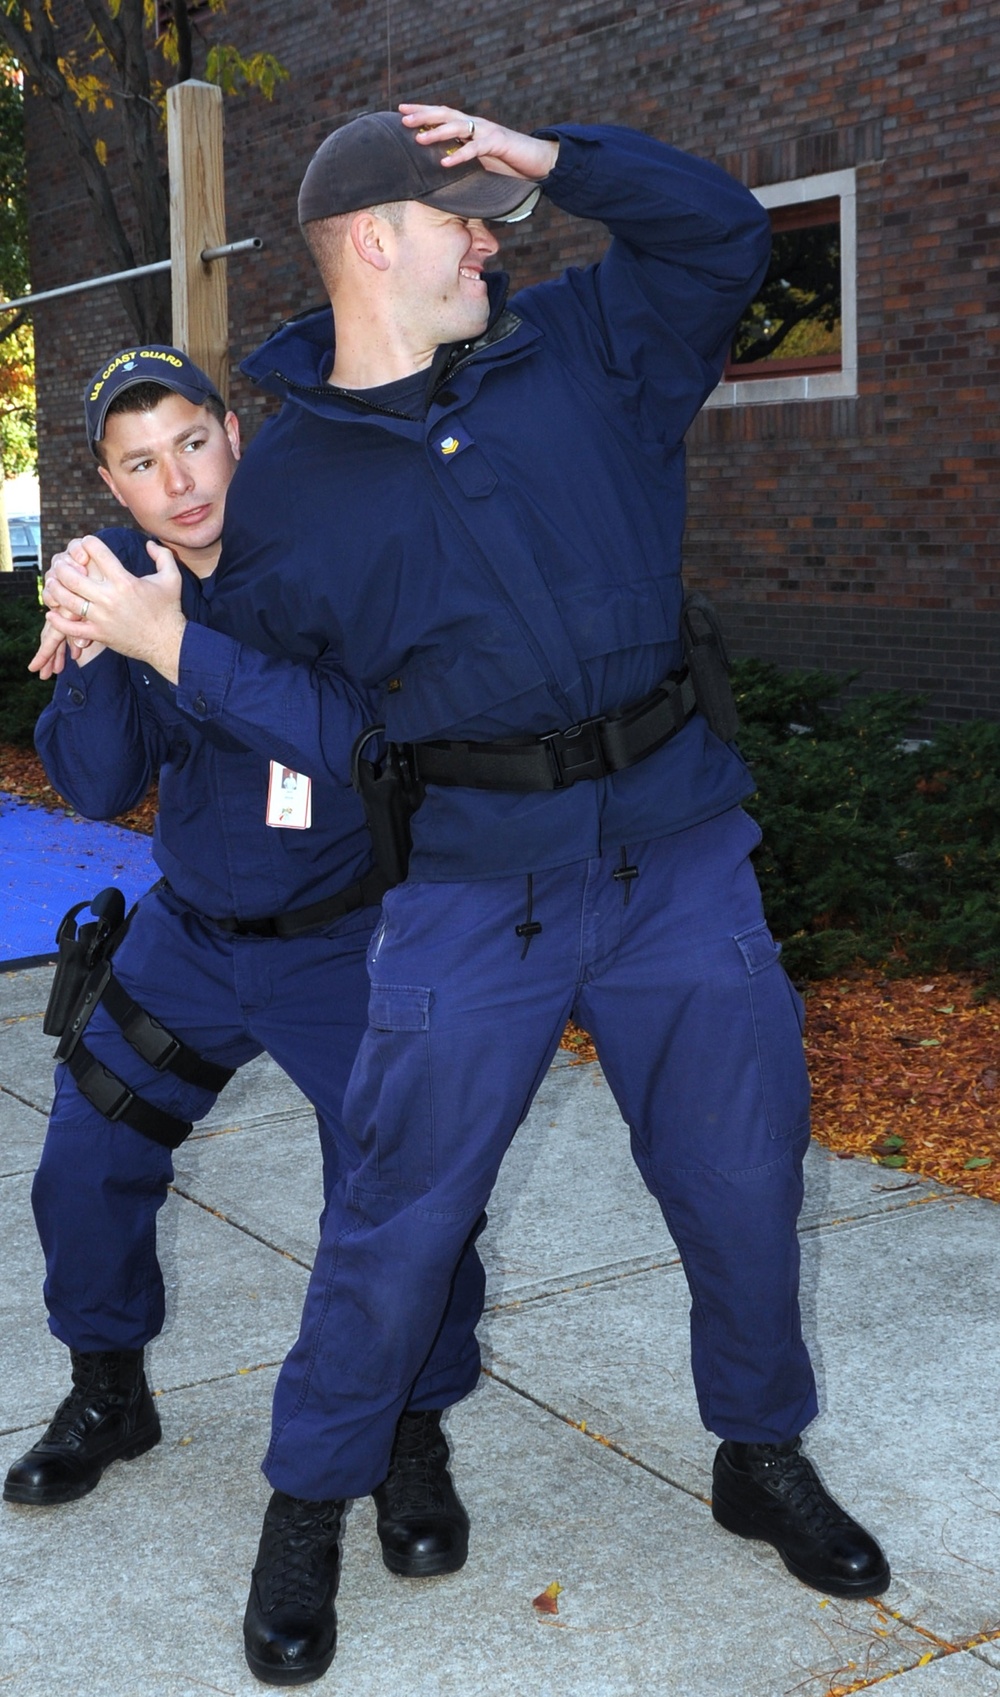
{"points": [[797, 1482], [294, 1566], [417, 1470], [81, 1410]]}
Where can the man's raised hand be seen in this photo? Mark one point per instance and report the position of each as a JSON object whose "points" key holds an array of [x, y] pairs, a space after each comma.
{"points": [[497, 148]]}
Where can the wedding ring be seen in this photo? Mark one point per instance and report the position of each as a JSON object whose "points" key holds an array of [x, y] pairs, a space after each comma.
{"points": [[84, 609], [472, 129]]}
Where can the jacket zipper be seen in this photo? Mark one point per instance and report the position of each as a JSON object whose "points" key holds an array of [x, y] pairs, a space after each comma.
{"points": [[488, 341]]}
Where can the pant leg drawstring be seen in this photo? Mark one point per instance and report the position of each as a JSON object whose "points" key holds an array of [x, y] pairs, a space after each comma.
{"points": [[624, 874], [528, 927]]}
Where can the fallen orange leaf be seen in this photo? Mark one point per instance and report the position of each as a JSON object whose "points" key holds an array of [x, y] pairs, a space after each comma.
{"points": [[545, 1602]]}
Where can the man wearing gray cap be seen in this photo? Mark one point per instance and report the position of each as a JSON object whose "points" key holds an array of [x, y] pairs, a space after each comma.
{"points": [[474, 506]]}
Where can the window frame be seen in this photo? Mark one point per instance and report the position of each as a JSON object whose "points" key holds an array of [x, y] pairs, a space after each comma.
{"points": [[813, 385]]}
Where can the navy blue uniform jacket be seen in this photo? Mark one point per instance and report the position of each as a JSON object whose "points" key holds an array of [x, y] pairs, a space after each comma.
{"points": [[115, 726], [512, 563]]}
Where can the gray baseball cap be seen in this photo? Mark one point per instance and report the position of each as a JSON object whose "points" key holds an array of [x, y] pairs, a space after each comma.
{"points": [[376, 158]]}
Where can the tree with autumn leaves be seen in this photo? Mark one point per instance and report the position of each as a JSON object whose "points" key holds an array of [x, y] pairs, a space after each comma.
{"points": [[116, 73]]}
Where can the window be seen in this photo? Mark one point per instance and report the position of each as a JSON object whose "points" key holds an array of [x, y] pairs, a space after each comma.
{"points": [[798, 339]]}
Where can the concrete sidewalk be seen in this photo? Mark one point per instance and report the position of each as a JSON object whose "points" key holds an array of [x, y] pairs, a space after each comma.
{"points": [[581, 1456]]}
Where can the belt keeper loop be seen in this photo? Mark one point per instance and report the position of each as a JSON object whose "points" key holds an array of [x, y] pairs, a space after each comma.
{"points": [[548, 742]]}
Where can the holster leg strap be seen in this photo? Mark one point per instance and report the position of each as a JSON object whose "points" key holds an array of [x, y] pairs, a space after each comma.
{"points": [[157, 1046], [113, 1098]]}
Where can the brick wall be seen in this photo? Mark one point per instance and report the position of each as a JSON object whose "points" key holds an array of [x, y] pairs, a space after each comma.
{"points": [[856, 534]]}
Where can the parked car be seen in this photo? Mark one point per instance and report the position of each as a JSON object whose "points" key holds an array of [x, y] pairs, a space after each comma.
{"points": [[26, 543]]}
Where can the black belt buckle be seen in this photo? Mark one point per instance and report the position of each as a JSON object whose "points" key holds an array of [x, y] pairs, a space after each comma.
{"points": [[120, 1106], [108, 1093], [576, 753], [141, 1030]]}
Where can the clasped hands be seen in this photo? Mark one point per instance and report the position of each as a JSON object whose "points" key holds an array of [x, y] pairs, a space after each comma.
{"points": [[94, 603]]}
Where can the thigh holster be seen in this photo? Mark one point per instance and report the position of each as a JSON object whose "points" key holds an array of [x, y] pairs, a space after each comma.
{"points": [[87, 979], [81, 947]]}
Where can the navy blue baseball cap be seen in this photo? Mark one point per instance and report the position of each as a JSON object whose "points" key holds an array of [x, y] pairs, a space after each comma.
{"points": [[155, 363]]}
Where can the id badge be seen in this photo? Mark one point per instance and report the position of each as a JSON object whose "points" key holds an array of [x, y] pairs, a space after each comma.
{"points": [[289, 798]]}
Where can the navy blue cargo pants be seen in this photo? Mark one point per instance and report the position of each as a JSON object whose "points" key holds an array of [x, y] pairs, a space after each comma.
{"points": [[100, 1184], [676, 977]]}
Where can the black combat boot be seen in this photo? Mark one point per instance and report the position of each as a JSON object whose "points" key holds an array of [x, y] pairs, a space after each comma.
{"points": [[772, 1492], [422, 1526], [108, 1416], [290, 1627]]}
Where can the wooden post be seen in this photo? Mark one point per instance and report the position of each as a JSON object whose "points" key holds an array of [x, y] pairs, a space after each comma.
{"points": [[198, 221]]}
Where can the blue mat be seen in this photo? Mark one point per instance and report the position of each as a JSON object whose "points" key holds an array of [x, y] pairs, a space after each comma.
{"points": [[50, 861]]}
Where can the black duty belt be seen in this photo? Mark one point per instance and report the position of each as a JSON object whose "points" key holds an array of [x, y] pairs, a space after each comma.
{"points": [[113, 1098], [366, 892], [555, 759]]}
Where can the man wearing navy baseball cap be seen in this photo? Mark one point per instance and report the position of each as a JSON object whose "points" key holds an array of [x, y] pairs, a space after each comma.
{"points": [[166, 446], [254, 939]]}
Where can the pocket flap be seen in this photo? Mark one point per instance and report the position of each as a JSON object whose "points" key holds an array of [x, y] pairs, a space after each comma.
{"points": [[758, 948], [399, 1007]]}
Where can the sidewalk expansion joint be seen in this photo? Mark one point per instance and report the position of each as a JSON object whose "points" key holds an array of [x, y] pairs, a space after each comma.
{"points": [[877, 1216], [25, 1101], [249, 1122], [237, 1226], [595, 1437], [943, 1650], [215, 1378], [160, 1391], [605, 1276]]}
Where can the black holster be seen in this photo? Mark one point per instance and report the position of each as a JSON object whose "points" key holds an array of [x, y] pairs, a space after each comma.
{"points": [[390, 795], [708, 664], [82, 950], [84, 977]]}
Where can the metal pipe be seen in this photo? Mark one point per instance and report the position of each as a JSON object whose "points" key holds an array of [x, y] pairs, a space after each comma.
{"points": [[92, 283], [252, 243]]}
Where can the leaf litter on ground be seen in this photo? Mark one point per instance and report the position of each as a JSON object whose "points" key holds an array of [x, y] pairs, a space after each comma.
{"points": [[905, 1073]]}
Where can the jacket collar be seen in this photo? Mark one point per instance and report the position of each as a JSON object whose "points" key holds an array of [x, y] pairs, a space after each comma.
{"points": [[293, 362]]}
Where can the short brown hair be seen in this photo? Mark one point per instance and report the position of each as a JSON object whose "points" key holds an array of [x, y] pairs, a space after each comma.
{"points": [[325, 237], [146, 397]]}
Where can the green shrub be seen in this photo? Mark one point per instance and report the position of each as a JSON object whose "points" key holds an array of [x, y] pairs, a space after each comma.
{"points": [[871, 854], [22, 696]]}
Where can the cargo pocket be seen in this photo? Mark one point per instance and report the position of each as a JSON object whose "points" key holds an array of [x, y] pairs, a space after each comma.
{"points": [[778, 1013], [389, 1108]]}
